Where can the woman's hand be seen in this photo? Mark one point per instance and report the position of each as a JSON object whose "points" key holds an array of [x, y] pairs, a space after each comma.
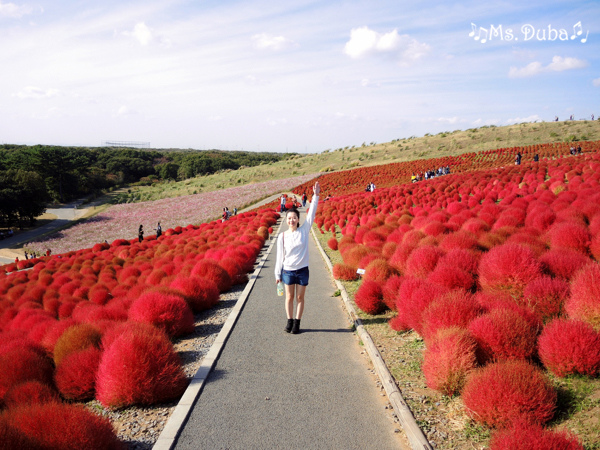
{"points": [[277, 281], [317, 188]]}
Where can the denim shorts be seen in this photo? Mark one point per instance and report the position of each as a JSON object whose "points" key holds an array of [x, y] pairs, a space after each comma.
{"points": [[299, 276]]}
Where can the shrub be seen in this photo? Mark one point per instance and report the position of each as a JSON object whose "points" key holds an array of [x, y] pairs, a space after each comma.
{"points": [[397, 324], [508, 268], [569, 235], [454, 309], [344, 272], [400, 257], [460, 240], [369, 297], [411, 309], [505, 392], [139, 368], [451, 277], [563, 263], [30, 392], [75, 377], [75, 338], [570, 346], [527, 436], [503, 334], [200, 293], [234, 269], [584, 301], [546, 296], [167, 311], [54, 333], [332, 243], [59, 425], [23, 363], [422, 261], [390, 291], [210, 269], [448, 359], [379, 270]]}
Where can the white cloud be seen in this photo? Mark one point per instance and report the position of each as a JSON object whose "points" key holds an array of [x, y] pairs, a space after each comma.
{"points": [[533, 118], [449, 120], [274, 122], [36, 92], [364, 42], [558, 64], [264, 41], [125, 111], [14, 11], [141, 33], [596, 82]]}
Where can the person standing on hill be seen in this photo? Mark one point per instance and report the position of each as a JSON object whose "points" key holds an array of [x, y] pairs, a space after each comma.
{"points": [[141, 233], [291, 266], [158, 230]]}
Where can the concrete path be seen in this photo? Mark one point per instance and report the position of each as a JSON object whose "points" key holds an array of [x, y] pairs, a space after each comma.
{"points": [[272, 390]]}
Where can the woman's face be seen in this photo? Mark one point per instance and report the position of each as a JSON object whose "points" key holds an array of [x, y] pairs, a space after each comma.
{"points": [[292, 220]]}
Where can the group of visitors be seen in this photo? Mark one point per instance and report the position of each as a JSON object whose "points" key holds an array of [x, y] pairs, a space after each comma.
{"points": [[227, 214], [284, 200], [370, 187], [575, 151], [158, 230], [430, 174]]}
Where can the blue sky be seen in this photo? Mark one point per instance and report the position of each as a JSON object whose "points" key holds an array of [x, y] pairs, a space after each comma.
{"points": [[300, 75]]}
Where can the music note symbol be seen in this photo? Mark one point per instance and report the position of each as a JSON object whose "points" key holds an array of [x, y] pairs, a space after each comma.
{"points": [[584, 40], [484, 39], [577, 30], [473, 28]]}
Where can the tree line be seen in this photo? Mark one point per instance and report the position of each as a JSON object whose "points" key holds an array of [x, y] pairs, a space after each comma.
{"points": [[32, 176]]}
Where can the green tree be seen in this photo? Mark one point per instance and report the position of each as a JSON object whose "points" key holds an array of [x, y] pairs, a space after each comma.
{"points": [[23, 196]]}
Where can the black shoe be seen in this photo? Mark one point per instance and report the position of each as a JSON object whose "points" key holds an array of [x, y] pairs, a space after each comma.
{"points": [[296, 326], [288, 327]]}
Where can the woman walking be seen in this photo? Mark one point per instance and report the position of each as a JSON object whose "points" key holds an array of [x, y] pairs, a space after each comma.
{"points": [[291, 267]]}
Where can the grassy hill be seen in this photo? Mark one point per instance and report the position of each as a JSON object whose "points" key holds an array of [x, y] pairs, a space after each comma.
{"points": [[402, 149]]}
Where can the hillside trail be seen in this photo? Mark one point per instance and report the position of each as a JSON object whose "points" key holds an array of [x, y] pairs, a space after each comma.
{"points": [[270, 389]]}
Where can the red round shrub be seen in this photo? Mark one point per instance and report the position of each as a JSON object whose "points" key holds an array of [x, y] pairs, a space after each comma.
{"points": [[503, 334], [59, 425], [570, 346], [448, 359], [410, 309], [332, 243], [30, 392], [397, 324], [584, 301], [451, 277], [400, 257], [422, 261], [379, 270], [75, 376], [167, 311], [546, 296], [139, 368], [390, 291], [23, 363], [54, 332], [200, 293], [75, 338], [461, 239], [563, 263], [344, 272], [210, 269], [454, 309], [369, 297], [508, 268], [234, 269], [505, 392], [527, 436], [569, 235]]}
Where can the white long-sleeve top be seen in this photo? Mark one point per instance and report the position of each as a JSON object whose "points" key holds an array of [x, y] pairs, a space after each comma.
{"points": [[295, 254]]}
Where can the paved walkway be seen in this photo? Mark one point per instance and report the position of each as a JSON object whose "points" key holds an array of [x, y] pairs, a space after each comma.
{"points": [[273, 390]]}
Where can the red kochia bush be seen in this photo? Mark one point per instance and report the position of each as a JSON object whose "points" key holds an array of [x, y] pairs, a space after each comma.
{"points": [[569, 235], [332, 243], [503, 393], [210, 269], [200, 293], [344, 272], [78, 337], [584, 302], [59, 425], [503, 334], [422, 261], [28, 393], [546, 296], [563, 263], [390, 291], [448, 359], [379, 270], [23, 363], [454, 309], [570, 346], [75, 377], [527, 436], [508, 268], [413, 299], [139, 368], [167, 311], [369, 297]]}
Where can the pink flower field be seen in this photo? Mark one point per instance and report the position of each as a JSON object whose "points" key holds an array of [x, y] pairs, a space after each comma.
{"points": [[122, 221]]}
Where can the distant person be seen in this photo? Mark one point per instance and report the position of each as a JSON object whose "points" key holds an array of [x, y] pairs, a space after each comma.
{"points": [[283, 201], [224, 215], [26, 256], [17, 260], [235, 210], [291, 267], [141, 233], [536, 157], [304, 197], [158, 230], [48, 252], [579, 149], [518, 159], [372, 187], [592, 117]]}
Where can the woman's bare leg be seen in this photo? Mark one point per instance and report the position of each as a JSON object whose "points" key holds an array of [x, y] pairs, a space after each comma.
{"points": [[300, 290], [289, 300]]}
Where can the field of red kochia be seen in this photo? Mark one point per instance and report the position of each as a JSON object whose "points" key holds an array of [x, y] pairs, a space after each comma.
{"points": [[97, 323], [497, 269]]}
